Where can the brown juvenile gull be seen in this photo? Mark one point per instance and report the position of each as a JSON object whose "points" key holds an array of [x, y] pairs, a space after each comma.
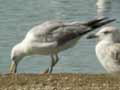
{"points": [[108, 48], [52, 37]]}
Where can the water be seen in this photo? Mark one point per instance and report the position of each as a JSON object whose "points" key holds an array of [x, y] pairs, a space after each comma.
{"points": [[18, 16]]}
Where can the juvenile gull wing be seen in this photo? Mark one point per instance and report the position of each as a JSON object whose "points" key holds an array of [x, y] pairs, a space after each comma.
{"points": [[114, 52]]}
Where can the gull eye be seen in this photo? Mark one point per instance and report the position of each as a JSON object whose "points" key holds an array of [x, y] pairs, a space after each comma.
{"points": [[106, 32]]}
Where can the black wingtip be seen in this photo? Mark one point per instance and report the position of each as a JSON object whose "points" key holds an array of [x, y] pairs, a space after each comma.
{"points": [[94, 21], [102, 23]]}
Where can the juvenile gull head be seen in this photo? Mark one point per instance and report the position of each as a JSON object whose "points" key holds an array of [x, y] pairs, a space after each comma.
{"points": [[52, 37], [108, 48]]}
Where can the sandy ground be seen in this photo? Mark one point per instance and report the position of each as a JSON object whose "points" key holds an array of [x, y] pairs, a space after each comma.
{"points": [[59, 81]]}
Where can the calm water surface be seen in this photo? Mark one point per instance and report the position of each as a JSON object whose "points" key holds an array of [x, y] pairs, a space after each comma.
{"points": [[18, 16]]}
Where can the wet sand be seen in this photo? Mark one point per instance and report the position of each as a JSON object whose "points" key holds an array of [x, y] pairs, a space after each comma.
{"points": [[59, 81]]}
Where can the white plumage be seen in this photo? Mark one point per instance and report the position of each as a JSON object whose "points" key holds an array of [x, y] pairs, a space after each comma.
{"points": [[52, 37], [108, 48]]}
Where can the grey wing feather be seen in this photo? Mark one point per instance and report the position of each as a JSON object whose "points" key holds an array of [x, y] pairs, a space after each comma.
{"points": [[47, 27], [58, 31], [50, 26], [67, 33]]}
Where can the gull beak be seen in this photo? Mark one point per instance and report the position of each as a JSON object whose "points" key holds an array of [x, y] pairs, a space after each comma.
{"points": [[13, 67], [91, 36]]}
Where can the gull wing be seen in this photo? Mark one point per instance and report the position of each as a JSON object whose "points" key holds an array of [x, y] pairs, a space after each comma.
{"points": [[56, 31], [46, 27], [64, 31], [69, 33]]}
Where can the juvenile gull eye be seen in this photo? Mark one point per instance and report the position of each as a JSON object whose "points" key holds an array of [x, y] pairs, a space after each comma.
{"points": [[106, 32]]}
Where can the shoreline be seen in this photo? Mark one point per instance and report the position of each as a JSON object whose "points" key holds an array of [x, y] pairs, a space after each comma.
{"points": [[59, 81]]}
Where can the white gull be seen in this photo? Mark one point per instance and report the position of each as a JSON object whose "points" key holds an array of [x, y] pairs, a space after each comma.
{"points": [[50, 38]]}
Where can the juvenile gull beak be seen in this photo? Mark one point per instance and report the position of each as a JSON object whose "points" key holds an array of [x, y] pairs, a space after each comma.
{"points": [[91, 36], [13, 67]]}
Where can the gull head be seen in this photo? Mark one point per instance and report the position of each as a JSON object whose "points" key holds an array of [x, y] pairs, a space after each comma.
{"points": [[108, 33], [17, 54]]}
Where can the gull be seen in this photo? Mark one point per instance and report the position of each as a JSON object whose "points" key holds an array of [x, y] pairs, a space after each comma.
{"points": [[52, 37], [108, 48]]}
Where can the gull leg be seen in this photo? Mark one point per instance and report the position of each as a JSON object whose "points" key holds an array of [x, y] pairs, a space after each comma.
{"points": [[54, 60], [49, 69], [52, 64]]}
